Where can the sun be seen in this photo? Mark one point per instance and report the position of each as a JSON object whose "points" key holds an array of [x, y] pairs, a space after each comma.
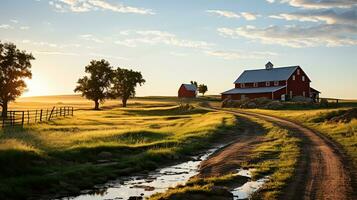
{"points": [[35, 87]]}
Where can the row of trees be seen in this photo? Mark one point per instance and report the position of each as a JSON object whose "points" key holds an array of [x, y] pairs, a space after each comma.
{"points": [[202, 88], [104, 82]]}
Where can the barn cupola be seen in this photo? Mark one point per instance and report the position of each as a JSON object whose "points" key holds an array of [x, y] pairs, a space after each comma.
{"points": [[269, 66]]}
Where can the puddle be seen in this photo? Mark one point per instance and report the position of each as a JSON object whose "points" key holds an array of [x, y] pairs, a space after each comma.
{"points": [[139, 187], [246, 190]]}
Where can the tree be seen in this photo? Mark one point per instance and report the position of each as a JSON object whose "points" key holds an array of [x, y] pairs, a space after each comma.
{"points": [[202, 88], [124, 83], [96, 86], [15, 66], [194, 83]]}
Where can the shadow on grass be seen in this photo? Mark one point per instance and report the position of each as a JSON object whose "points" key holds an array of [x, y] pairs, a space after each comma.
{"points": [[304, 106]]}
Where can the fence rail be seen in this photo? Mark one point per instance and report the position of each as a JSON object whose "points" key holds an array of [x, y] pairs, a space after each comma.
{"points": [[22, 117]]}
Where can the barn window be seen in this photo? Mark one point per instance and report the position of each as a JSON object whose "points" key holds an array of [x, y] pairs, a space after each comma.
{"points": [[303, 78], [293, 77], [255, 85], [242, 85], [291, 94], [298, 71], [303, 94], [267, 83], [276, 83]]}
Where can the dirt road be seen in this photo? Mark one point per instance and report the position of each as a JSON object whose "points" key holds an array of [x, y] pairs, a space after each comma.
{"points": [[322, 172]]}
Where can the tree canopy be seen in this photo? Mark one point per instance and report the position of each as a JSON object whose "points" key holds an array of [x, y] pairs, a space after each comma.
{"points": [[96, 86], [124, 82], [15, 67], [202, 88]]}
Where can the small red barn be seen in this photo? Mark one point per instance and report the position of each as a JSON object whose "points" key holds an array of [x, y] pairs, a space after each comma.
{"points": [[274, 83], [187, 91]]}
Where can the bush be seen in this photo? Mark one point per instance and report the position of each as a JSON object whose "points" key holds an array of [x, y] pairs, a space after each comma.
{"points": [[324, 103], [301, 99]]}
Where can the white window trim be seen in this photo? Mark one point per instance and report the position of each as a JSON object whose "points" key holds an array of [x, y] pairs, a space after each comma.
{"points": [[298, 71], [303, 93], [303, 78], [293, 77], [255, 84], [291, 94], [242, 85], [276, 83], [267, 83]]}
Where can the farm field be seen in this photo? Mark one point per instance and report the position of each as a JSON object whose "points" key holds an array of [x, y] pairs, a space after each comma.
{"points": [[62, 157]]}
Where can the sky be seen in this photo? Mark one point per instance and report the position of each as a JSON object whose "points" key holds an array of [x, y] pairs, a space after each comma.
{"points": [[173, 42]]}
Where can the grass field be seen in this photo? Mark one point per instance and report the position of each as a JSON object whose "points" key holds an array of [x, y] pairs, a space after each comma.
{"points": [[67, 155]]}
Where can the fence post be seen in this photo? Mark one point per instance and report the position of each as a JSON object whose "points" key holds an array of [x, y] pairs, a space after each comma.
{"points": [[49, 118], [28, 117], [3, 122], [41, 116], [72, 111], [46, 113], [23, 118], [36, 116], [64, 113]]}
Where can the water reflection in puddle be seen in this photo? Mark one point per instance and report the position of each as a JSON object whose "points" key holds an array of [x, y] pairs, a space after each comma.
{"points": [[246, 190], [136, 187]]}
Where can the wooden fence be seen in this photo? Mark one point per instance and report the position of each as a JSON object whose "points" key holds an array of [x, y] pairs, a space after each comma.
{"points": [[22, 117]]}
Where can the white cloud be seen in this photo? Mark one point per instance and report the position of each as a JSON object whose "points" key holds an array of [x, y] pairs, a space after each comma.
{"points": [[55, 53], [326, 16], [230, 14], [24, 27], [224, 13], [296, 36], [238, 55], [321, 4], [155, 37], [249, 16], [107, 56], [5, 26], [90, 37], [270, 1], [14, 21], [92, 5]]}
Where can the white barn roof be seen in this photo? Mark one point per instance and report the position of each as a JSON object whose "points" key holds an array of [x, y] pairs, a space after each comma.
{"points": [[190, 87], [262, 75], [253, 90]]}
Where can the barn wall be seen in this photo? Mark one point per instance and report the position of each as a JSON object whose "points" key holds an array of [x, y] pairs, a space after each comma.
{"points": [[277, 94], [298, 86], [183, 93], [261, 84]]}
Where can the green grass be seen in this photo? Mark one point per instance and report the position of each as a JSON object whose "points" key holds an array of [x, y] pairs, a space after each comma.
{"points": [[64, 156]]}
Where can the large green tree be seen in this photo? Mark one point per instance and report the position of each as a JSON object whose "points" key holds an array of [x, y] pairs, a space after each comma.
{"points": [[96, 85], [124, 83], [202, 88], [15, 66]]}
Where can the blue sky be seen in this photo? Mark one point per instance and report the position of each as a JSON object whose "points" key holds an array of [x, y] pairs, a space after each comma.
{"points": [[173, 42]]}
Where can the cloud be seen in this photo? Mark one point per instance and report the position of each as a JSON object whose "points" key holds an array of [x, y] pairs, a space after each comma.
{"points": [[90, 37], [238, 55], [249, 16], [55, 53], [321, 4], [92, 5], [230, 14], [5, 26], [270, 1], [297, 36], [155, 37], [14, 21], [224, 13], [24, 27], [327, 16], [107, 56]]}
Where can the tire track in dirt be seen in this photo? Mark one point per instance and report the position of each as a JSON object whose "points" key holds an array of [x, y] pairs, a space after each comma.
{"points": [[322, 172]]}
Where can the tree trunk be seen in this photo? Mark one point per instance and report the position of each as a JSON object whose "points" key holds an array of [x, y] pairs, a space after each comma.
{"points": [[124, 100], [96, 105], [4, 110]]}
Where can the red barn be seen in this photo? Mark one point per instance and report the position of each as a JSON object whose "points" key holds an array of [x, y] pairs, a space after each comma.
{"points": [[274, 83], [187, 91]]}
